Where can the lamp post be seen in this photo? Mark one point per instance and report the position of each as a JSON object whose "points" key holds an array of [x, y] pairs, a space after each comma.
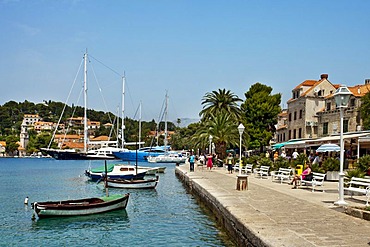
{"points": [[210, 143], [241, 130], [341, 96]]}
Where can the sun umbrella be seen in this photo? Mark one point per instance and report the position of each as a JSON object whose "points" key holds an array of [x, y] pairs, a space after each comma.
{"points": [[328, 148]]}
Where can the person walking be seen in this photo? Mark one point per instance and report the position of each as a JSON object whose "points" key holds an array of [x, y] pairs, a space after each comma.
{"points": [[229, 162], [191, 161], [209, 161]]}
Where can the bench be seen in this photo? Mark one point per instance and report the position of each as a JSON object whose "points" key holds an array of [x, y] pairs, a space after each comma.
{"points": [[262, 171], [317, 180], [360, 185], [281, 174], [245, 169]]}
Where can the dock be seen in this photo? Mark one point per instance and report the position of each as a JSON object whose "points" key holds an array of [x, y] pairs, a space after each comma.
{"points": [[272, 214]]}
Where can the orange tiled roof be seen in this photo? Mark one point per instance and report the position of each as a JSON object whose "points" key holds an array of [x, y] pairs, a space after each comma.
{"points": [[59, 136], [306, 83], [100, 138], [76, 145], [360, 90]]}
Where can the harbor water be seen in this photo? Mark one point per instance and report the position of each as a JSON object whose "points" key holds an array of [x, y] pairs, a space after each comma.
{"points": [[165, 216]]}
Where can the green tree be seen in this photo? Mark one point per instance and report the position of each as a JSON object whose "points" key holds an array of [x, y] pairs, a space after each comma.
{"points": [[11, 144], [365, 111], [220, 102], [224, 130], [260, 110]]}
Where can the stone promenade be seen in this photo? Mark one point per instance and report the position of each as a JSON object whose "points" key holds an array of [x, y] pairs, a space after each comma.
{"points": [[273, 214]]}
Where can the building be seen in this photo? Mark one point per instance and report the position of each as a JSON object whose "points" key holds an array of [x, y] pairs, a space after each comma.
{"points": [[312, 118], [31, 119]]}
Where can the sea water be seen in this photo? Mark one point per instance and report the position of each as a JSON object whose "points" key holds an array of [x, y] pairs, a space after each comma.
{"points": [[165, 216]]}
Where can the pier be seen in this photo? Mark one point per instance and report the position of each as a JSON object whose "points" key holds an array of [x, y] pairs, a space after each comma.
{"points": [[273, 214]]}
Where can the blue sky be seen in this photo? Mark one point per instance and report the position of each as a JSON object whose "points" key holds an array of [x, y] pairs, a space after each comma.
{"points": [[188, 48]]}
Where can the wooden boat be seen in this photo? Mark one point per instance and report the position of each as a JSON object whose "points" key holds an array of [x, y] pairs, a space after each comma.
{"points": [[80, 206], [116, 171], [133, 184]]}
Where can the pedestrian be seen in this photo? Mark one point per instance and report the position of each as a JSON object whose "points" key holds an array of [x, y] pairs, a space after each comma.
{"points": [[276, 155], [191, 161], [209, 161], [283, 155], [295, 154], [229, 162], [316, 160]]}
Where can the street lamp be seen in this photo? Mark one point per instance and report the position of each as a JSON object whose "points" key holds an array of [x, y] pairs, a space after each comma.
{"points": [[341, 97], [210, 143], [241, 130]]}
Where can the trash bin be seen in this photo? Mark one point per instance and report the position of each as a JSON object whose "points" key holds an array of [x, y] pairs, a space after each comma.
{"points": [[298, 170]]}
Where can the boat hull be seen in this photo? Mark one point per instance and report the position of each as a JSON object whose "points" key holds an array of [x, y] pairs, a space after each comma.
{"points": [[133, 184], [97, 176], [80, 207]]}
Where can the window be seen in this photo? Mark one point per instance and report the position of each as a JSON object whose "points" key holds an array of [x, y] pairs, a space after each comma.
{"points": [[295, 134], [300, 114], [295, 115], [345, 126], [352, 102], [300, 133], [290, 117], [328, 106], [283, 136], [290, 134], [325, 128]]}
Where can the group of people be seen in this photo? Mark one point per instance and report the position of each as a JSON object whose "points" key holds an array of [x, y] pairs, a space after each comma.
{"points": [[202, 159]]}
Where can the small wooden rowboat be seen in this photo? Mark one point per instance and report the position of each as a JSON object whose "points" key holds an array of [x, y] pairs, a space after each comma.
{"points": [[80, 206], [133, 184]]}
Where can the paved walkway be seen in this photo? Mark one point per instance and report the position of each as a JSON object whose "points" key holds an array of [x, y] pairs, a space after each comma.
{"points": [[281, 216]]}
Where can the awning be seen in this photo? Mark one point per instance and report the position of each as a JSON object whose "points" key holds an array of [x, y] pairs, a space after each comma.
{"points": [[333, 139], [297, 144], [282, 144]]}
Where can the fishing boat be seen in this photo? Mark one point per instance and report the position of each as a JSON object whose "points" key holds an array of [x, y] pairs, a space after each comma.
{"points": [[80, 206], [133, 184], [116, 171]]}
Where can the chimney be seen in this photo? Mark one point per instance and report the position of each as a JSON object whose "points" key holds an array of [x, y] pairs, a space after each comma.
{"points": [[367, 81], [324, 76]]}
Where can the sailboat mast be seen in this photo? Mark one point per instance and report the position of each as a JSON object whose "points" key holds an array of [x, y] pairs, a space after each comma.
{"points": [[140, 125], [85, 103], [123, 111], [165, 124]]}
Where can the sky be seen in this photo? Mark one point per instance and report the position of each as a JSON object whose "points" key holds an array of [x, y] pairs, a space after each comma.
{"points": [[185, 48]]}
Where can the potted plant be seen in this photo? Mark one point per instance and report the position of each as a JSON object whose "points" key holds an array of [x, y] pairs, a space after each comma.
{"points": [[331, 167]]}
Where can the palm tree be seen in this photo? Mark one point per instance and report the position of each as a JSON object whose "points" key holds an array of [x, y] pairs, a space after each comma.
{"points": [[223, 128], [220, 102]]}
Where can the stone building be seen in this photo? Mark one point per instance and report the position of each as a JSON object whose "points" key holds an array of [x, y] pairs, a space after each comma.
{"points": [[312, 117]]}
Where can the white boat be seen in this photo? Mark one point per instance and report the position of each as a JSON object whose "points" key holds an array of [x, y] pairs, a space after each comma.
{"points": [[153, 170], [103, 153], [116, 171], [168, 158], [133, 184]]}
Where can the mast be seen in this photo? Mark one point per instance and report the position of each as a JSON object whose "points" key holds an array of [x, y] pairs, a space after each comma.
{"points": [[165, 124], [85, 103], [123, 111], [140, 125]]}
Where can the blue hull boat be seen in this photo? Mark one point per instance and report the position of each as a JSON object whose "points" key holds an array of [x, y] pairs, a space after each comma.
{"points": [[141, 154]]}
